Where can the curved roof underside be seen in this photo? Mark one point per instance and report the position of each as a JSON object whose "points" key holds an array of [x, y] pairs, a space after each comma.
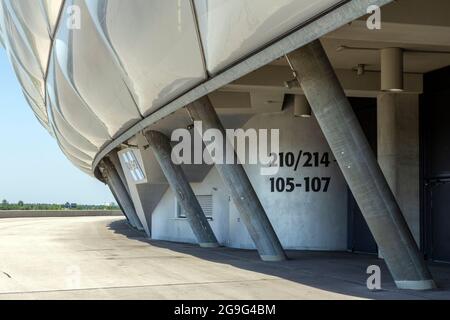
{"points": [[90, 70]]}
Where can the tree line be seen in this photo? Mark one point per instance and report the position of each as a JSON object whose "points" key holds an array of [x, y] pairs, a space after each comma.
{"points": [[5, 205]]}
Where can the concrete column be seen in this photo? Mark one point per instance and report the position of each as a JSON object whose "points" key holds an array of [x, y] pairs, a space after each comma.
{"points": [[160, 145], [120, 192], [360, 168], [391, 69], [119, 204], [114, 157], [115, 161], [398, 152], [242, 192]]}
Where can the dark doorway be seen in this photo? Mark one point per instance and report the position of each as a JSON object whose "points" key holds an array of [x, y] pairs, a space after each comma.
{"points": [[360, 238], [435, 134], [439, 193]]}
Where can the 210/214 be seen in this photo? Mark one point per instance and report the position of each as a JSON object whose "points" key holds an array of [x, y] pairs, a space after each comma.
{"points": [[308, 184]]}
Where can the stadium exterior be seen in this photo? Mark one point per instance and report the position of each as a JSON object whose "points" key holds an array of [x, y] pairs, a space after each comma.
{"points": [[366, 170]]}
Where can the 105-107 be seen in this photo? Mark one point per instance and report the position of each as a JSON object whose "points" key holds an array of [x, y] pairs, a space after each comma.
{"points": [[308, 184]]}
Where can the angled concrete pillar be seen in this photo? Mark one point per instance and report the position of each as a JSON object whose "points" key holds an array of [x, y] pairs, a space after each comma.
{"points": [[114, 157], [119, 204], [120, 193], [360, 168], [134, 219], [242, 192], [399, 154], [160, 145]]}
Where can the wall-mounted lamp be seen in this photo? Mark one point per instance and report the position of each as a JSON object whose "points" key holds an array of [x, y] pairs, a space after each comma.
{"points": [[291, 84], [392, 69], [302, 108], [360, 69], [392, 60]]}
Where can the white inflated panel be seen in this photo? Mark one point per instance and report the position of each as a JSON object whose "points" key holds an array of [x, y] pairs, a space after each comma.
{"points": [[31, 86], [27, 39], [94, 73], [51, 9], [232, 29], [68, 102], [156, 42], [66, 130], [91, 69], [31, 20], [2, 45]]}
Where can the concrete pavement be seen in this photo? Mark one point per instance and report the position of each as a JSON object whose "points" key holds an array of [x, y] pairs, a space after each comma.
{"points": [[102, 258], [9, 214]]}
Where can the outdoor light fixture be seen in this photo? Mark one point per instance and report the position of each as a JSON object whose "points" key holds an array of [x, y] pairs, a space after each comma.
{"points": [[291, 84], [361, 69], [302, 108], [392, 65], [392, 69]]}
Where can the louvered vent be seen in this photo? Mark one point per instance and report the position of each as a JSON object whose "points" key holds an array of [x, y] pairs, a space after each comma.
{"points": [[206, 202]]}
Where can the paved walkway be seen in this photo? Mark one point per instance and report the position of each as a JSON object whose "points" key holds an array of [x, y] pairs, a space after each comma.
{"points": [[101, 258]]}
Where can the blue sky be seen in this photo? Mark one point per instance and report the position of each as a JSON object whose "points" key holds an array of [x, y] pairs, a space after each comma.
{"points": [[32, 168]]}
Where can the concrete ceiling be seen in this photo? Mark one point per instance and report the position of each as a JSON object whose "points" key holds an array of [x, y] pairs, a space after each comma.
{"points": [[414, 25], [414, 62], [420, 27]]}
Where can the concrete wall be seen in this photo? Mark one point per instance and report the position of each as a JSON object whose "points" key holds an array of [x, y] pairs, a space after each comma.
{"points": [[398, 152], [316, 221], [136, 189], [166, 225], [4, 214]]}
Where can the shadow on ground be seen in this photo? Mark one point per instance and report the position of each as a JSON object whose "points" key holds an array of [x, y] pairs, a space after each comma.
{"points": [[339, 272]]}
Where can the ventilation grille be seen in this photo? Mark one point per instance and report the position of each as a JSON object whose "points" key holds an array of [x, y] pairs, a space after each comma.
{"points": [[206, 202]]}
